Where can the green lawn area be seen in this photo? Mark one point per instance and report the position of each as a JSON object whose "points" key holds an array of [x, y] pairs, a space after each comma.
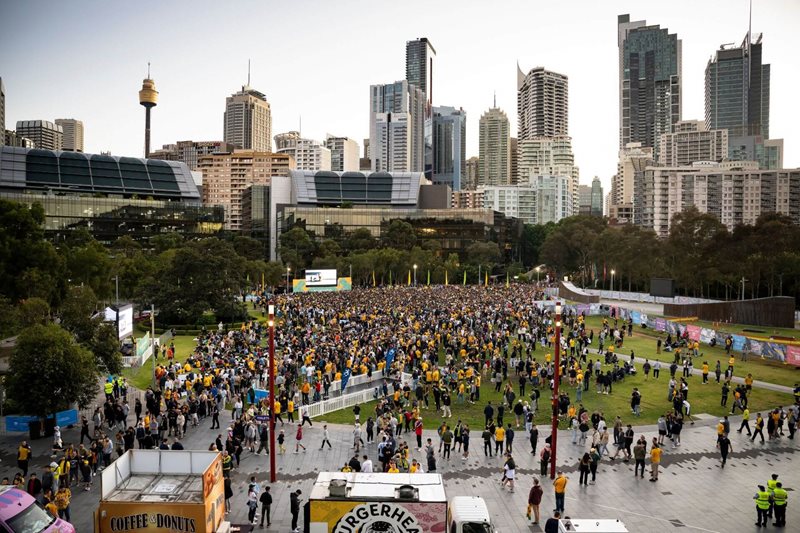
{"points": [[703, 398], [643, 343], [142, 377]]}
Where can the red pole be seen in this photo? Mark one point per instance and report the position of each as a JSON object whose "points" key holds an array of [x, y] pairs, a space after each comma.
{"points": [[273, 451], [556, 379]]}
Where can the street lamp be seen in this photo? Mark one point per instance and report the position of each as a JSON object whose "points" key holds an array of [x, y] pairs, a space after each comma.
{"points": [[612, 282], [415, 274], [272, 472], [537, 275], [288, 269], [556, 379]]}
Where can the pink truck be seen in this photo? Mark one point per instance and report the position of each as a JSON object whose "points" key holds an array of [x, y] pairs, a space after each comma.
{"points": [[21, 513]]}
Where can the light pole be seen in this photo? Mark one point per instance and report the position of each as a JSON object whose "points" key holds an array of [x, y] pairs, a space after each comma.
{"points": [[288, 269], [273, 451], [612, 282], [153, 341], [116, 282], [742, 281], [556, 379], [537, 275], [415, 274]]}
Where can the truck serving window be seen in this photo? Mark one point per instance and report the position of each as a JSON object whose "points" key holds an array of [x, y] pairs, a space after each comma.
{"points": [[32, 520]]}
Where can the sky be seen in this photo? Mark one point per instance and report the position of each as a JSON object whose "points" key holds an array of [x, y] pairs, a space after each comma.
{"points": [[316, 59]]}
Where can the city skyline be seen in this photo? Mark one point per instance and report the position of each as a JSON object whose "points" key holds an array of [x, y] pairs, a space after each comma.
{"points": [[193, 87]]}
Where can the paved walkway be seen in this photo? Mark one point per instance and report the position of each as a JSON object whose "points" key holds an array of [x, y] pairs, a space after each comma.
{"points": [[693, 491]]}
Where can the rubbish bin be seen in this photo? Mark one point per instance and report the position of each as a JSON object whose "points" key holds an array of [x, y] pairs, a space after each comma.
{"points": [[49, 426], [34, 429]]}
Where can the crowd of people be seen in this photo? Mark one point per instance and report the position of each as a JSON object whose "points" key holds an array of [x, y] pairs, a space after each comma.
{"points": [[448, 342]]}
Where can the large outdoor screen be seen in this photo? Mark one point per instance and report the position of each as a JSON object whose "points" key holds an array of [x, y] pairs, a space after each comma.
{"points": [[320, 278], [662, 287]]}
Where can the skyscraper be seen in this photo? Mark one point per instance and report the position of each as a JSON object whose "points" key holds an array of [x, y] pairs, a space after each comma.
{"points": [[43, 133], [494, 148], [308, 154], [396, 127], [248, 120], [473, 171], [597, 197], [73, 134], [419, 73], [344, 153], [649, 82], [449, 146], [690, 142], [2, 113], [550, 156], [737, 89], [189, 152], [542, 104]]}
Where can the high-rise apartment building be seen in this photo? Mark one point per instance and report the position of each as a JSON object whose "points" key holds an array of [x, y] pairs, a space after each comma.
{"points": [[2, 112], [190, 152], [43, 133], [467, 199], [419, 73], [737, 89], [542, 104], [585, 194], [550, 156], [649, 82], [690, 142], [597, 197], [344, 153], [473, 171], [73, 134], [308, 154], [544, 199], [248, 120], [633, 160], [735, 193], [494, 148], [449, 146], [514, 145], [227, 175], [768, 153], [396, 129]]}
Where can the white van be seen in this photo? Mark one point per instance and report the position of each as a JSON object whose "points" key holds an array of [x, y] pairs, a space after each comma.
{"points": [[468, 514], [591, 525]]}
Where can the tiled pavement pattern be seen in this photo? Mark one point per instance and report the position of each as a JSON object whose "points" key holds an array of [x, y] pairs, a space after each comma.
{"points": [[693, 492]]}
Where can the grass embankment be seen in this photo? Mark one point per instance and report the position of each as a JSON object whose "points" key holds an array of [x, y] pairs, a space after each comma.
{"points": [[643, 343], [142, 377]]}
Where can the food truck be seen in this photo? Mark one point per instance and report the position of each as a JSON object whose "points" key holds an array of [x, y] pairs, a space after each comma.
{"points": [[591, 525], [169, 491], [391, 503]]}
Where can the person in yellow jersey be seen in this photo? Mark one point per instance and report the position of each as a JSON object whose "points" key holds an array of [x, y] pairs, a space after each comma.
{"points": [[655, 460], [499, 439]]}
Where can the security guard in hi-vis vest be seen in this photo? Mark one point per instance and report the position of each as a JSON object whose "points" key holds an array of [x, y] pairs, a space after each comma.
{"points": [[779, 497], [763, 501]]}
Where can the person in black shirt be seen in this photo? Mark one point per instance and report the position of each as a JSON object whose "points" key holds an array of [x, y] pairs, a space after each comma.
{"points": [[294, 507], [551, 526], [266, 503]]}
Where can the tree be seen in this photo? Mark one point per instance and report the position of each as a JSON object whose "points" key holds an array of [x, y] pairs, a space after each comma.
{"points": [[91, 265], [485, 254], [297, 248], [33, 311], [49, 371], [399, 235], [29, 265], [249, 248], [76, 313], [533, 236], [360, 240]]}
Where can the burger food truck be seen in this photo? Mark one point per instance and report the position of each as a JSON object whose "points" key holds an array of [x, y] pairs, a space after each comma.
{"points": [[391, 503], [169, 491]]}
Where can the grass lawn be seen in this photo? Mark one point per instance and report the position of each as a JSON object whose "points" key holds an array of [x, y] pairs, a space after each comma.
{"points": [[643, 343], [142, 377], [703, 398]]}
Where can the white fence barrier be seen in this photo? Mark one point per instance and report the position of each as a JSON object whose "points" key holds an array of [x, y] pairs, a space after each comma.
{"points": [[350, 400]]}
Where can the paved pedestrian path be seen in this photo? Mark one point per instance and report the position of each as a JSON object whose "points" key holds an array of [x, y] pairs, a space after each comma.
{"points": [[692, 492]]}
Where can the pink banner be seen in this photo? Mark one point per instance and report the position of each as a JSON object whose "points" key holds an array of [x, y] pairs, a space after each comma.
{"points": [[793, 355], [694, 332]]}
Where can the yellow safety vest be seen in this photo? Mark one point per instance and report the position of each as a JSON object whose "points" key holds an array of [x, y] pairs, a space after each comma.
{"points": [[771, 484], [780, 496], [109, 387], [763, 500]]}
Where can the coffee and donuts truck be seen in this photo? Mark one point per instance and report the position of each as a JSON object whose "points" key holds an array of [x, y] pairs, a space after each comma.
{"points": [[169, 491], [391, 503]]}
